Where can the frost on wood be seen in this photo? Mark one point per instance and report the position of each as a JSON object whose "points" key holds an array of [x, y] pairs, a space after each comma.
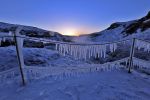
{"points": [[139, 44], [19, 41], [84, 51]]}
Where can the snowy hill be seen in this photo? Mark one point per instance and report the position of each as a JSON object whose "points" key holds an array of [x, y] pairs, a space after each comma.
{"points": [[33, 32], [120, 30], [30, 31]]}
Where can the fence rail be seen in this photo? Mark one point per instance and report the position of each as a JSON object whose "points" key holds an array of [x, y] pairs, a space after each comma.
{"points": [[59, 42], [38, 72]]}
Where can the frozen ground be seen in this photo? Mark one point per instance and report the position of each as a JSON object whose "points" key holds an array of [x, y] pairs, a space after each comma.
{"points": [[34, 57], [109, 85], [114, 85]]}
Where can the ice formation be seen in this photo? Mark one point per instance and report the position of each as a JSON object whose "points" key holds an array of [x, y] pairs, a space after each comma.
{"points": [[141, 63], [85, 51], [139, 44], [5, 36], [34, 72]]}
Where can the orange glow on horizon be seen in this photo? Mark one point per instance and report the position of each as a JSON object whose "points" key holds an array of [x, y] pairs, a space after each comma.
{"points": [[70, 32], [76, 31]]}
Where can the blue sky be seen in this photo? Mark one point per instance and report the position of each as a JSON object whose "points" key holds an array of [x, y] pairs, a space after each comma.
{"points": [[83, 16]]}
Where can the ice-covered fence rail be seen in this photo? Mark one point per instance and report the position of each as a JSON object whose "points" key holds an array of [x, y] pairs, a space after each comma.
{"points": [[71, 43], [142, 44], [33, 72], [85, 51], [6, 36], [141, 63], [81, 50], [8, 75]]}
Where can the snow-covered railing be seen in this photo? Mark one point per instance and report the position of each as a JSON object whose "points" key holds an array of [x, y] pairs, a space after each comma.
{"points": [[4, 36], [34, 72], [142, 44], [141, 63], [80, 50]]}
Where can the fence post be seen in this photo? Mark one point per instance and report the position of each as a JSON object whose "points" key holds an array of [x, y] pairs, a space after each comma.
{"points": [[16, 33], [131, 55]]}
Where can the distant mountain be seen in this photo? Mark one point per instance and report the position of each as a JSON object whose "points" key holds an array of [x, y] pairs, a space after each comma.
{"points": [[33, 32], [30, 31], [139, 28]]}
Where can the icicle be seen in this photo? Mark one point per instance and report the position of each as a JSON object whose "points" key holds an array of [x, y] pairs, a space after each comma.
{"points": [[104, 51], [142, 44], [111, 47], [56, 47], [64, 49], [85, 51], [3, 39], [98, 51], [114, 47], [0, 41], [10, 33], [101, 51]]}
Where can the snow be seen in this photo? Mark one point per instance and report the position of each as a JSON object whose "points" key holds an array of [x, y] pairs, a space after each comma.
{"points": [[117, 84], [35, 56], [114, 34], [103, 37], [64, 78]]}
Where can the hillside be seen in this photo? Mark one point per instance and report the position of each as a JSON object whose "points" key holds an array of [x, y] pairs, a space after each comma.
{"points": [[139, 28], [31, 31]]}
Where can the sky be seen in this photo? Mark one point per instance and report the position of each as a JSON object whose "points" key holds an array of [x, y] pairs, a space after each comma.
{"points": [[72, 17]]}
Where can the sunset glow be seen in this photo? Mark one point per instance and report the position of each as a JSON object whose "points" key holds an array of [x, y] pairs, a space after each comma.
{"points": [[71, 17], [70, 32]]}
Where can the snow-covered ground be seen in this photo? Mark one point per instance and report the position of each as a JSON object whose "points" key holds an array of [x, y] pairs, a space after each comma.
{"points": [[34, 57], [102, 85], [111, 85]]}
